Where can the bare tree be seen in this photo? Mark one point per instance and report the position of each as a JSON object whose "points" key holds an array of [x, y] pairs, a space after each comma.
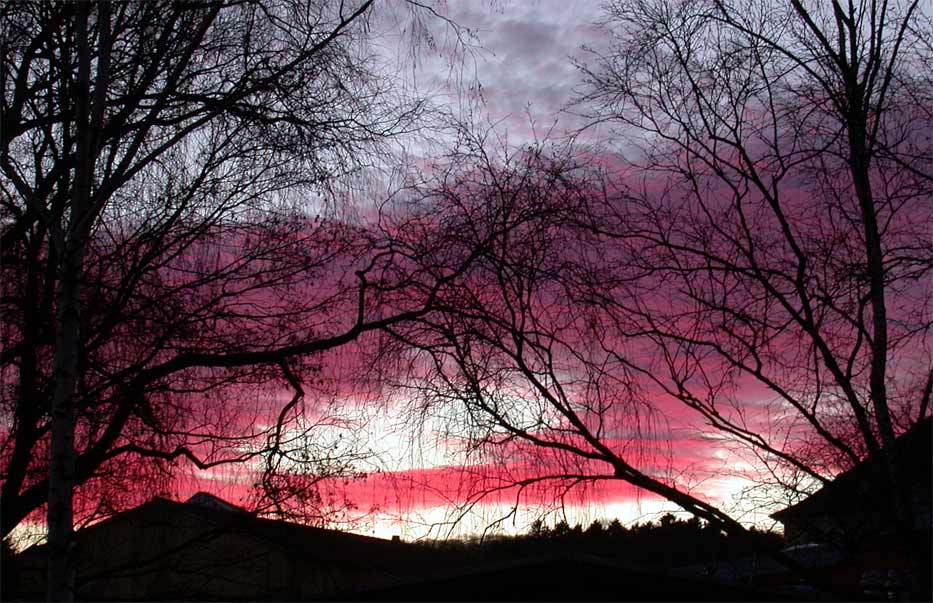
{"points": [[161, 165], [787, 234], [762, 259], [511, 354]]}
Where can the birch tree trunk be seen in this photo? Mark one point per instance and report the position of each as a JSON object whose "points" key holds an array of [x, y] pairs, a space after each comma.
{"points": [[72, 244]]}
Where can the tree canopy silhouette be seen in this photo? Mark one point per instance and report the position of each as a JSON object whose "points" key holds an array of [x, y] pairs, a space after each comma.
{"points": [[755, 251], [164, 168]]}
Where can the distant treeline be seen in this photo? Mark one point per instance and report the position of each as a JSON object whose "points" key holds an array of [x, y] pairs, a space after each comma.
{"points": [[670, 541]]}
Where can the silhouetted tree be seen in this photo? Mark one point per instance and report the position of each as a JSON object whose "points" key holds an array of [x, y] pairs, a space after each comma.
{"points": [[669, 542], [512, 342], [539, 529], [779, 244], [595, 531], [778, 238], [561, 529], [614, 529], [161, 165]]}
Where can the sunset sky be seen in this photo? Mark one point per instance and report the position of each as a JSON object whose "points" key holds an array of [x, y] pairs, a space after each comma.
{"points": [[418, 484], [469, 264], [523, 62]]}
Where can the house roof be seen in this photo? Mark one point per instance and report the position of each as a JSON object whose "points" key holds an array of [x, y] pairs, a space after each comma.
{"points": [[913, 456], [297, 539], [207, 520]]}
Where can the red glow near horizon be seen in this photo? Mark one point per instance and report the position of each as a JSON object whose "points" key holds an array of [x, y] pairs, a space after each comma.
{"points": [[425, 501]]}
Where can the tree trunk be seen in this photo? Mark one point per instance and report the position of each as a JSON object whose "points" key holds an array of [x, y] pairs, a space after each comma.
{"points": [[859, 162], [72, 243], [62, 467]]}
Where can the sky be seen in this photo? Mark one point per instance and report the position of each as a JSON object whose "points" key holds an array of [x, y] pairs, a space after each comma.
{"points": [[525, 60], [517, 77], [521, 60], [512, 72], [415, 483], [510, 65]]}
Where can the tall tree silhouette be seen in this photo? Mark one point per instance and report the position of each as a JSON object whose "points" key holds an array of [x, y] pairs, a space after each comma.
{"points": [[513, 345], [783, 244], [762, 260], [161, 163]]}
